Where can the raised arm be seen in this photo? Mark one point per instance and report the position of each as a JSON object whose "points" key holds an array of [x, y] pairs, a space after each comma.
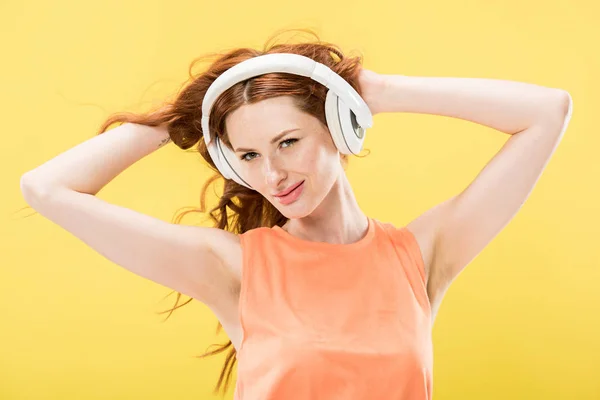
{"points": [[454, 232], [195, 261]]}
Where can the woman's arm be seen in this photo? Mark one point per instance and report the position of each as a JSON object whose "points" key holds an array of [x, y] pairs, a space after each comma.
{"points": [[454, 232], [196, 261], [89, 166], [506, 106]]}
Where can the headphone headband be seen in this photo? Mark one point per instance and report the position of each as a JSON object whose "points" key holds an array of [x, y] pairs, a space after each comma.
{"points": [[290, 63], [348, 116]]}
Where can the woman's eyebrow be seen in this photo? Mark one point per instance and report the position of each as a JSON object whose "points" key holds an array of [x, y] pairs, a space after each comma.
{"points": [[274, 140]]}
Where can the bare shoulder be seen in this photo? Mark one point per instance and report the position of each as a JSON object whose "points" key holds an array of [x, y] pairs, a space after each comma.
{"points": [[227, 248], [425, 228]]}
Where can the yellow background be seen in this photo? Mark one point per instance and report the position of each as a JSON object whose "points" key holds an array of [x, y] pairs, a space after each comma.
{"points": [[521, 322]]}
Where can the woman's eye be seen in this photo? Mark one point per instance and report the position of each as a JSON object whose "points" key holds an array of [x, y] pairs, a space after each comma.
{"points": [[291, 141], [243, 157]]}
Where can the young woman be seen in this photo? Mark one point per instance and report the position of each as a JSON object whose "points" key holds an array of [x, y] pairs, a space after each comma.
{"points": [[319, 300]]}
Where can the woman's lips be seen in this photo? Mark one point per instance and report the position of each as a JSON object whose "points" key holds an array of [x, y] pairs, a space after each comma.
{"points": [[286, 192], [292, 195]]}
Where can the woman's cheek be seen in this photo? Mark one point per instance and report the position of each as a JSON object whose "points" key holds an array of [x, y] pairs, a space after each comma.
{"points": [[254, 175], [311, 160]]}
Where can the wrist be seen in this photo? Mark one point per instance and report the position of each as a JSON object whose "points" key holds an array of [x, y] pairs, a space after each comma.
{"points": [[374, 88]]}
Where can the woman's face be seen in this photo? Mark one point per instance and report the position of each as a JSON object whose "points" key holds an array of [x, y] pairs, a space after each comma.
{"points": [[273, 161]]}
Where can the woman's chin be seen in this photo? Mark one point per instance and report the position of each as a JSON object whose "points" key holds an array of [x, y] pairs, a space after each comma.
{"points": [[294, 211]]}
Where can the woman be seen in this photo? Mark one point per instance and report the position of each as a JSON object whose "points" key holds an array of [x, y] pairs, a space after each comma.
{"points": [[319, 300]]}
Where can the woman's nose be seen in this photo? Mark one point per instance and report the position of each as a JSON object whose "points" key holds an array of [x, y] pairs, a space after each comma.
{"points": [[273, 171]]}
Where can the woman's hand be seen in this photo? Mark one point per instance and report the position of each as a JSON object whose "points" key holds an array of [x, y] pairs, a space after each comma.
{"points": [[372, 85]]}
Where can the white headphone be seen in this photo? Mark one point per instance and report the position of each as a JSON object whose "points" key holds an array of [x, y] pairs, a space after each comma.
{"points": [[348, 116]]}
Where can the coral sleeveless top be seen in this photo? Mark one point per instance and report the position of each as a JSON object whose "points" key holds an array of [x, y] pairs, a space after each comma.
{"points": [[334, 321]]}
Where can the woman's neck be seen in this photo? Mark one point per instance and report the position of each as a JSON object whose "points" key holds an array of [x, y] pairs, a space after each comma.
{"points": [[337, 220]]}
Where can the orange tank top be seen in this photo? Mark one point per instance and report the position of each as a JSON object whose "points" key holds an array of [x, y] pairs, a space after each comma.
{"points": [[334, 321]]}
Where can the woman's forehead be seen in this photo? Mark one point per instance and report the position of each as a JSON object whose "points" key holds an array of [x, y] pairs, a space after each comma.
{"points": [[263, 123]]}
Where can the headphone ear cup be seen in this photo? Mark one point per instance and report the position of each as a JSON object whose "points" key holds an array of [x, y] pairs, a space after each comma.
{"points": [[215, 155], [226, 157], [333, 122], [347, 134], [223, 164]]}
